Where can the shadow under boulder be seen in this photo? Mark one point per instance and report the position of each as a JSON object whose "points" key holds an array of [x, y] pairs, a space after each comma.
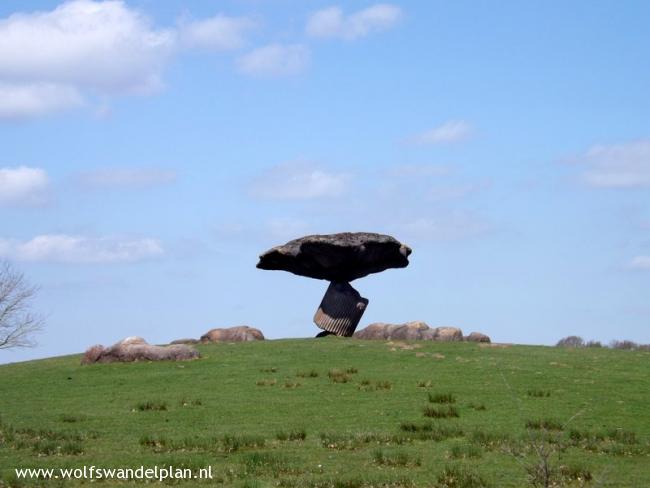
{"points": [[241, 333], [137, 349], [417, 330]]}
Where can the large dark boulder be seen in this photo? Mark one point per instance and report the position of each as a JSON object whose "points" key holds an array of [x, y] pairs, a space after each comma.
{"points": [[337, 257]]}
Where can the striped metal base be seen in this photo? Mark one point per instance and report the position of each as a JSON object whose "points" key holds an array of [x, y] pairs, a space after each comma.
{"points": [[341, 309]]}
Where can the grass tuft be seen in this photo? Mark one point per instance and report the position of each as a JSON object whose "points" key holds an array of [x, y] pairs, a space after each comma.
{"points": [[151, 406], [539, 393], [441, 412], [399, 459], [544, 424], [465, 451], [441, 398], [312, 373], [459, 476], [292, 435]]}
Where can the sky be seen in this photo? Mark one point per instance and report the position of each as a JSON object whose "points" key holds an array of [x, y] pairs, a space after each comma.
{"points": [[152, 150]]}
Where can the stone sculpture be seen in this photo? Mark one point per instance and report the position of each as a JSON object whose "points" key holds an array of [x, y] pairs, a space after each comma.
{"points": [[339, 259]]}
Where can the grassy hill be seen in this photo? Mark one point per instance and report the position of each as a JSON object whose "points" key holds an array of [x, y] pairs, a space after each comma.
{"points": [[339, 413]]}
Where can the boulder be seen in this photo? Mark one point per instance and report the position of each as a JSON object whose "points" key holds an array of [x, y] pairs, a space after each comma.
{"points": [[375, 331], [92, 354], [477, 337], [242, 333], [137, 349], [131, 340], [448, 334], [337, 257], [185, 341], [409, 331]]}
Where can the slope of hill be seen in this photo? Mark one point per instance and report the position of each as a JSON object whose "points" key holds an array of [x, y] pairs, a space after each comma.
{"points": [[340, 413]]}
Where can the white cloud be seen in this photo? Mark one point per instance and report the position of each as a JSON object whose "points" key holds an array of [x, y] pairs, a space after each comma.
{"points": [[104, 46], [275, 60], [23, 186], [332, 23], [126, 177], [19, 101], [54, 60], [624, 165], [640, 262], [64, 248], [451, 131], [296, 181], [218, 33]]}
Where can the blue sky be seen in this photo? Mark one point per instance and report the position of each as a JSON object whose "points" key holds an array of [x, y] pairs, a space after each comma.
{"points": [[151, 151]]}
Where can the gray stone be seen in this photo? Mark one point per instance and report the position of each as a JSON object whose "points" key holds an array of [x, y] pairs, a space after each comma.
{"points": [[241, 333], [337, 257]]}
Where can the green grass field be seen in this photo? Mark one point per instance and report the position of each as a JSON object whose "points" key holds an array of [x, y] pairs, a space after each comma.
{"points": [[340, 413]]}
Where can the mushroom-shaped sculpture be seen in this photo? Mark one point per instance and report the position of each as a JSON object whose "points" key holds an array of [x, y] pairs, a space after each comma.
{"points": [[338, 258]]}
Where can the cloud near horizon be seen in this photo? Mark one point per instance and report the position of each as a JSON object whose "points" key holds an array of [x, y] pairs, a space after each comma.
{"points": [[450, 131], [23, 186], [63, 248], [55, 60], [332, 23], [625, 165]]}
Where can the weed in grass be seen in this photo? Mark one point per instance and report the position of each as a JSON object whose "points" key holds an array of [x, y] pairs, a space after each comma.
{"points": [[307, 374], [338, 376], [45, 447], [622, 436], [365, 385], [356, 440], [441, 412], [292, 435], [268, 462], [429, 431], [441, 398], [351, 370], [157, 443], [424, 384], [539, 393], [72, 448], [383, 385], [544, 424], [459, 476], [266, 382], [251, 484], [71, 419], [365, 480], [185, 402], [576, 473], [490, 440], [291, 384], [232, 443], [400, 459], [465, 451], [151, 406], [479, 407], [269, 370]]}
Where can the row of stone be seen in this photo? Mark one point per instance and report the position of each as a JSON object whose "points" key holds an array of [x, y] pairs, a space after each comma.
{"points": [[137, 349]]}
